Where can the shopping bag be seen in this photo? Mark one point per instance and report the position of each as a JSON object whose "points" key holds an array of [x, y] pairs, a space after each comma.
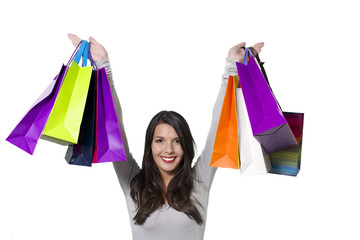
{"points": [[64, 122], [109, 145], [82, 152], [287, 161], [254, 160], [28, 131], [226, 146], [268, 124]]}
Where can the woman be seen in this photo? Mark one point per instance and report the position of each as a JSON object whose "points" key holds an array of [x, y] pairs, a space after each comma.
{"points": [[166, 198]]}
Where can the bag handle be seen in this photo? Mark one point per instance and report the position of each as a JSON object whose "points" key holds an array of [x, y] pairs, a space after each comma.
{"points": [[80, 52], [247, 54], [93, 64], [73, 55], [85, 55]]}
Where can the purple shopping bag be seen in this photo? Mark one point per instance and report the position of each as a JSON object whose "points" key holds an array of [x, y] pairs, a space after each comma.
{"points": [[26, 134], [109, 146], [28, 131], [268, 123]]}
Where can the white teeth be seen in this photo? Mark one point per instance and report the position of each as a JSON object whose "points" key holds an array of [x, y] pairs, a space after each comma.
{"points": [[168, 159]]}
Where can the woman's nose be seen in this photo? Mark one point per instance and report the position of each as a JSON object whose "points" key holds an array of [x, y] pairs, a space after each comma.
{"points": [[169, 148]]}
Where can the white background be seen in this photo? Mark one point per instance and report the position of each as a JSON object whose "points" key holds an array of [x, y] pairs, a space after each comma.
{"points": [[170, 55]]}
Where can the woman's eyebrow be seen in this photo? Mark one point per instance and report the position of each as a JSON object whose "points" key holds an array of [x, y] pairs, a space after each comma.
{"points": [[158, 137], [176, 138]]}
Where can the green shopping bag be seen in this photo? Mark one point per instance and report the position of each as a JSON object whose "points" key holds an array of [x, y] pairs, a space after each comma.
{"points": [[63, 125]]}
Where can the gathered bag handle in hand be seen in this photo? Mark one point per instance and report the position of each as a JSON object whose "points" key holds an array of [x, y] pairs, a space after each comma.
{"points": [[83, 50], [79, 52]]}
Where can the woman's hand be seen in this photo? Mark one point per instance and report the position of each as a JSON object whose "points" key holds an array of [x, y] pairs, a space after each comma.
{"points": [[98, 52], [237, 53]]}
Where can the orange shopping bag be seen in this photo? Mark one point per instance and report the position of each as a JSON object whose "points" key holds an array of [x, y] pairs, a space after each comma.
{"points": [[226, 147]]}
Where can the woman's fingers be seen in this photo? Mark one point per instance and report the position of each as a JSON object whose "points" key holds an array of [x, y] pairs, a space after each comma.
{"points": [[92, 40], [97, 50], [74, 39], [241, 45], [258, 46], [94, 45]]}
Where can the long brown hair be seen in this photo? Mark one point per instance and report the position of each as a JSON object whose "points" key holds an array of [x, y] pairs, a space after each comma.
{"points": [[147, 188]]}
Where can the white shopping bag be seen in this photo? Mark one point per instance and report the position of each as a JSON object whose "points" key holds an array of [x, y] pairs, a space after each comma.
{"points": [[254, 160]]}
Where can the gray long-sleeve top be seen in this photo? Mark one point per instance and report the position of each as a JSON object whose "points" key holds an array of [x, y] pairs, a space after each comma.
{"points": [[167, 223]]}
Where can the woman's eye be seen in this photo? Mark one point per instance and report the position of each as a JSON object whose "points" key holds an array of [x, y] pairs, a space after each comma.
{"points": [[159, 140], [177, 141]]}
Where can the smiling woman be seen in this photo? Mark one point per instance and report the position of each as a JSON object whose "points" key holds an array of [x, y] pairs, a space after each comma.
{"points": [[168, 155], [166, 197]]}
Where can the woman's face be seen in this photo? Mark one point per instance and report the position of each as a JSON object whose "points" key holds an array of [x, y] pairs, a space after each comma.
{"points": [[166, 148]]}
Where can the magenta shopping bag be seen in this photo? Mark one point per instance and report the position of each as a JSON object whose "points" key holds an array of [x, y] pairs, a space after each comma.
{"points": [[28, 131], [268, 123], [109, 146]]}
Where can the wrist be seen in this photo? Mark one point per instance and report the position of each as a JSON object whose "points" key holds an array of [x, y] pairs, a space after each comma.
{"points": [[230, 67], [102, 63]]}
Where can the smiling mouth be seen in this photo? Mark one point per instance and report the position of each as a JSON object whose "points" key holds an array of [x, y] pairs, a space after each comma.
{"points": [[168, 159]]}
